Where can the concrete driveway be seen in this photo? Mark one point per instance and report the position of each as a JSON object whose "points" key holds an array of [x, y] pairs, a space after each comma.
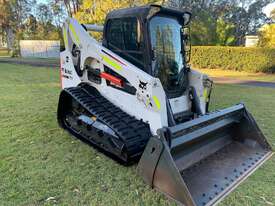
{"points": [[226, 80]]}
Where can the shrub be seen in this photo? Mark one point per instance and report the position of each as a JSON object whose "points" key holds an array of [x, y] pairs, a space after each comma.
{"points": [[234, 58], [266, 36]]}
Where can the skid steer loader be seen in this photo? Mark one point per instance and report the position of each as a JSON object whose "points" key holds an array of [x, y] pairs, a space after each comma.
{"points": [[134, 97]]}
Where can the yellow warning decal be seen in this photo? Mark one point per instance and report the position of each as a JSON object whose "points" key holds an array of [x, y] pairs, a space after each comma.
{"points": [[65, 37], [156, 100], [205, 94], [74, 34], [111, 62]]}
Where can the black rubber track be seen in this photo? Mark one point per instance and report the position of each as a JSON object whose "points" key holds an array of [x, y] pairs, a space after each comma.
{"points": [[133, 134]]}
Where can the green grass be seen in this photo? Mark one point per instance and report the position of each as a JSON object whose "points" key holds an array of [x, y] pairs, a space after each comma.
{"points": [[40, 162], [32, 59], [37, 59]]}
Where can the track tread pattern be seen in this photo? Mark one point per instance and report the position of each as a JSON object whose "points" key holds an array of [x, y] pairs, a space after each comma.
{"points": [[134, 133]]}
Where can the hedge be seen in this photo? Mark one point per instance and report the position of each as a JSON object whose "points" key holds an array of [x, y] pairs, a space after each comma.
{"points": [[234, 58]]}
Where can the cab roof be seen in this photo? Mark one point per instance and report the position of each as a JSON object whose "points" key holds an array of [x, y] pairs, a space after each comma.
{"points": [[144, 12]]}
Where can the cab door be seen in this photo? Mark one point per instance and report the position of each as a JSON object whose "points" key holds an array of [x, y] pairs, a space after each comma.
{"points": [[125, 38]]}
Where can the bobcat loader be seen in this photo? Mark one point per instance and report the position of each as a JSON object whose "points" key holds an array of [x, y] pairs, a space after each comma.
{"points": [[135, 98]]}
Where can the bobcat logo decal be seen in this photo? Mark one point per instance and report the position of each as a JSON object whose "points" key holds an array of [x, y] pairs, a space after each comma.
{"points": [[143, 85]]}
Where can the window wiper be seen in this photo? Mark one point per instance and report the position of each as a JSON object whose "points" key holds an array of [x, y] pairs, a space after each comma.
{"points": [[181, 74]]}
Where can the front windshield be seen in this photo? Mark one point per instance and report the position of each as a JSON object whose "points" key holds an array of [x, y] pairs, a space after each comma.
{"points": [[166, 44]]}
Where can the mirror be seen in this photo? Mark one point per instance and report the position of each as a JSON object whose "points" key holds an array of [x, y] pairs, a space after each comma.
{"points": [[187, 18], [186, 39], [186, 43]]}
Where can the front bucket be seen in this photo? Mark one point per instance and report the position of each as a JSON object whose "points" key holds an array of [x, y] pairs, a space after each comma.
{"points": [[201, 161]]}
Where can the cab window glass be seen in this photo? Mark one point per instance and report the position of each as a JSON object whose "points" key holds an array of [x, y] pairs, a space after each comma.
{"points": [[124, 38]]}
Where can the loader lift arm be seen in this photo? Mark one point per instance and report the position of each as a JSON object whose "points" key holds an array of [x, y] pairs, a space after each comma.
{"points": [[94, 52]]}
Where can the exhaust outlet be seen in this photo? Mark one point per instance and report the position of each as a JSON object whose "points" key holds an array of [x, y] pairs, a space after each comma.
{"points": [[199, 162]]}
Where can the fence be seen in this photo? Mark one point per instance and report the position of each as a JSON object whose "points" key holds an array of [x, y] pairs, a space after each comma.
{"points": [[40, 48]]}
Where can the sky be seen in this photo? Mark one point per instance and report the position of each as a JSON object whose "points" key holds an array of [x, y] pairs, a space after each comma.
{"points": [[269, 8], [41, 1]]}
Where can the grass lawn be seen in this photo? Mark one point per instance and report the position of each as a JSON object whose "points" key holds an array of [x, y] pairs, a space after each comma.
{"points": [[40, 164], [37, 59], [31, 59], [239, 75]]}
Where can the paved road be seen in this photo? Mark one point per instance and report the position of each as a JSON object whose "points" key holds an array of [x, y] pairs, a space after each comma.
{"points": [[226, 80]]}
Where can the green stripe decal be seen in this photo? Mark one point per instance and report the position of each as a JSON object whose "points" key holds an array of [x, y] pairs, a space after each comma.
{"points": [[111, 62], [156, 100], [205, 94], [65, 37], [74, 34]]}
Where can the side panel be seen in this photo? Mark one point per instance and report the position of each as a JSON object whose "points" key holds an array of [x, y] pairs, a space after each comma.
{"points": [[201, 85], [68, 75]]}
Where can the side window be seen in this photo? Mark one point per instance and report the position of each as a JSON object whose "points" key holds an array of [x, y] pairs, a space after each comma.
{"points": [[115, 34], [124, 38], [130, 34]]}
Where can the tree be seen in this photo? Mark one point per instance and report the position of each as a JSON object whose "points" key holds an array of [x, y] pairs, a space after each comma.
{"points": [[267, 36], [58, 12], [31, 28], [44, 13], [225, 33], [256, 16], [44, 27], [203, 29], [72, 6], [13, 13], [272, 14], [7, 22], [96, 11], [245, 15]]}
